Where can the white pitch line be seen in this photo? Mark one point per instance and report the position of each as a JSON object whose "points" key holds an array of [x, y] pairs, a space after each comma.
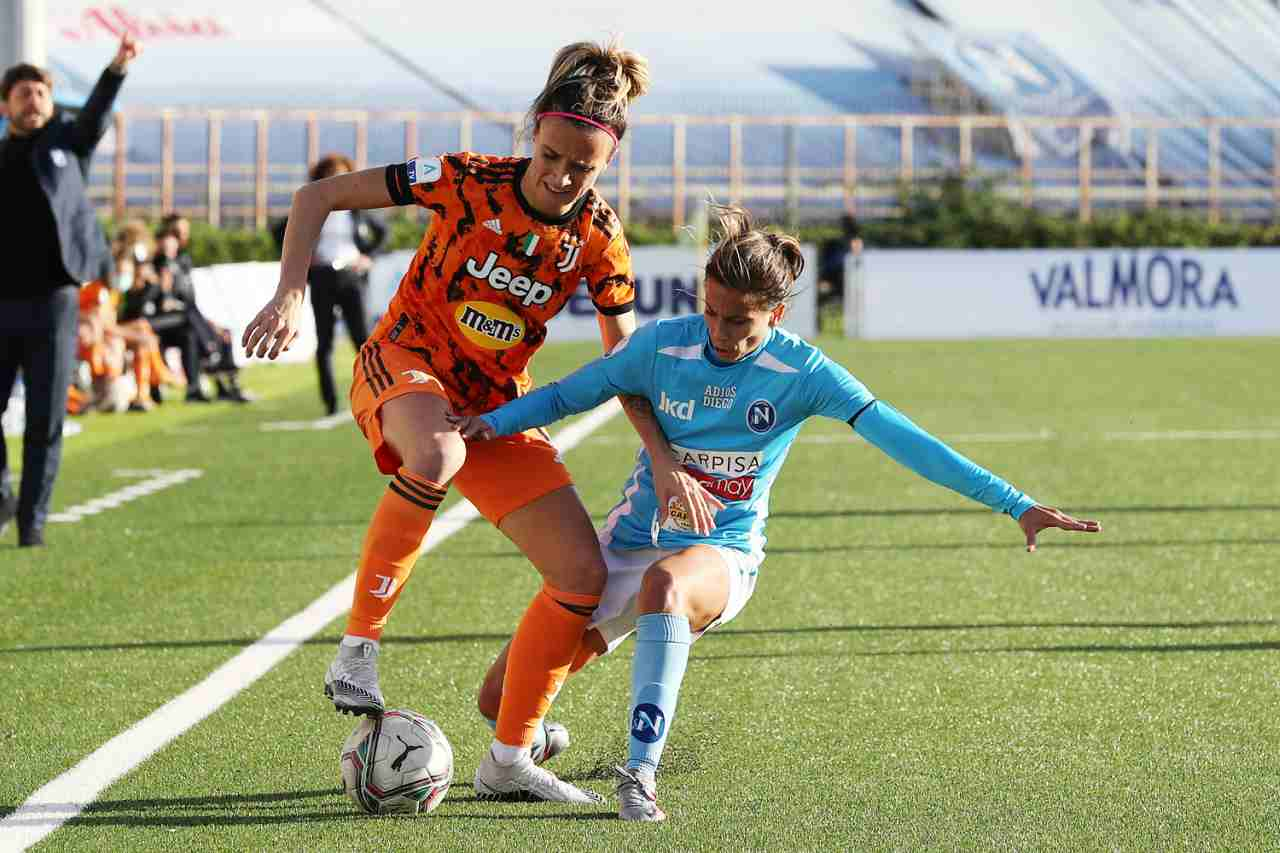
{"points": [[66, 796], [1196, 435], [328, 422], [157, 479]]}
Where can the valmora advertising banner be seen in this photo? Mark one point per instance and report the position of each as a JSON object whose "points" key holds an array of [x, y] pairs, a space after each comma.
{"points": [[1067, 293]]}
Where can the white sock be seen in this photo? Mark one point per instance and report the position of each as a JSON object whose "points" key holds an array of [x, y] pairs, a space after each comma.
{"points": [[353, 640], [507, 755]]}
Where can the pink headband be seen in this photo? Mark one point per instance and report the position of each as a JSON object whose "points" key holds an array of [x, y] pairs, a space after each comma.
{"points": [[584, 120]]}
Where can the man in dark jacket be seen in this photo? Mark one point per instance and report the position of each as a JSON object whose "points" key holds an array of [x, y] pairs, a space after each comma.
{"points": [[45, 212]]}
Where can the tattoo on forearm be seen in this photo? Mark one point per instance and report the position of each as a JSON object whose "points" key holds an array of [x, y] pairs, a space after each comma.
{"points": [[637, 406]]}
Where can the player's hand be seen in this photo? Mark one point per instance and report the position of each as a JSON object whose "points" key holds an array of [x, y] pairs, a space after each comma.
{"points": [[1043, 517], [672, 483], [274, 329], [472, 427], [127, 52]]}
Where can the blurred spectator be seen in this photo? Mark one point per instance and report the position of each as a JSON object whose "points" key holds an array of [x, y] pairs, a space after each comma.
{"points": [[832, 255], [106, 354], [57, 244], [214, 345], [339, 275]]}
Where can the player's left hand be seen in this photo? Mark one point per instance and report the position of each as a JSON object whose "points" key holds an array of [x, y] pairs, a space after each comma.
{"points": [[1043, 517], [673, 483], [128, 51], [472, 427]]}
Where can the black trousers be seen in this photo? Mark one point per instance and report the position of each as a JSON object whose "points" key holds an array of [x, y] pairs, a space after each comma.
{"points": [[335, 290], [38, 337]]}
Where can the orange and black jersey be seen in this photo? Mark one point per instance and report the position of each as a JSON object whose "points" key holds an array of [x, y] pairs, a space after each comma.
{"points": [[492, 271]]}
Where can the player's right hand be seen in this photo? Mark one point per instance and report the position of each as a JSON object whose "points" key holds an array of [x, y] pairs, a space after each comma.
{"points": [[274, 329]]}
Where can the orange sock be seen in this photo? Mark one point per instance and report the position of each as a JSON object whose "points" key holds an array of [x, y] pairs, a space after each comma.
{"points": [[391, 547], [542, 649]]}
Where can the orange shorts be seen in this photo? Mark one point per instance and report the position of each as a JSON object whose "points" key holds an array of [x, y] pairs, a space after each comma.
{"points": [[499, 476]]}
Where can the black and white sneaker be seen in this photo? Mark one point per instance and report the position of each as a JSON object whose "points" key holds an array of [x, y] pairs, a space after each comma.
{"points": [[352, 680], [638, 796], [526, 782]]}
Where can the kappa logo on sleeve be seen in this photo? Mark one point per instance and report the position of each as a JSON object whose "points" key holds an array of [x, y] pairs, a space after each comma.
{"points": [[423, 171]]}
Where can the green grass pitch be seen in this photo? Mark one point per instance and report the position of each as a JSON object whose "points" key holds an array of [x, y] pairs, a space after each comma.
{"points": [[906, 677]]}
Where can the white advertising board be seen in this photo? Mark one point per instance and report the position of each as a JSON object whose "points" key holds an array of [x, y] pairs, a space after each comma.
{"points": [[1064, 293]]}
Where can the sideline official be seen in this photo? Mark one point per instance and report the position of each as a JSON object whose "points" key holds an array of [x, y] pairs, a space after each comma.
{"points": [[46, 215]]}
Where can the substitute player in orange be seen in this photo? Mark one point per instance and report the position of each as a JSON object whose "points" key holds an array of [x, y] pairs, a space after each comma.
{"points": [[509, 241]]}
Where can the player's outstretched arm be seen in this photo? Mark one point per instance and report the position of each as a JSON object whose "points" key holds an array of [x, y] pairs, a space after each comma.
{"points": [[909, 445], [275, 327]]}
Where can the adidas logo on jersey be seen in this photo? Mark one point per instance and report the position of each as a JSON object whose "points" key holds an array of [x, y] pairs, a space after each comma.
{"points": [[529, 291], [493, 225]]}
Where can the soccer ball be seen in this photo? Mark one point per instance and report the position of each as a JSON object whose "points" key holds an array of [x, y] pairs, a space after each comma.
{"points": [[399, 764]]}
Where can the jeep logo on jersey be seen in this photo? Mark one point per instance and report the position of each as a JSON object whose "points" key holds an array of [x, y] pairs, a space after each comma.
{"points": [[488, 325], [527, 290], [761, 416], [680, 410], [723, 463], [648, 723]]}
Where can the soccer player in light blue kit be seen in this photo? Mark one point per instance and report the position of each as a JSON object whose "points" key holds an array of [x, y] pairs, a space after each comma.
{"points": [[730, 390]]}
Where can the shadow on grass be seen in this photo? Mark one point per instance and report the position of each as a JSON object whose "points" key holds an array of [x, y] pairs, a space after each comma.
{"points": [[1062, 649], [971, 510], [720, 633], [1089, 542], [240, 810]]}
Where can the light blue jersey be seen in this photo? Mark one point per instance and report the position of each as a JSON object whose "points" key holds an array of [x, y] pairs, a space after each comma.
{"points": [[731, 426]]}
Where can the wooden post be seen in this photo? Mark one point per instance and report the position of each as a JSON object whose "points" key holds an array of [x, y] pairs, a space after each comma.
{"points": [[1215, 172], [1153, 168], [624, 179], [851, 165], [166, 163], [793, 176], [908, 151], [313, 140], [362, 141], [966, 145], [214, 170], [410, 137], [260, 175], [735, 160], [120, 184], [678, 138], [464, 132], [1086, 171]]}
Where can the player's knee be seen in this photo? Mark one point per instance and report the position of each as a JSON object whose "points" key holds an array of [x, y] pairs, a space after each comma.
{"points": [[660, 592], [435, 456]]}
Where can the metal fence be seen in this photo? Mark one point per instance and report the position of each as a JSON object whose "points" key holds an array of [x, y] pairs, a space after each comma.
{"points": [[240, 166]]}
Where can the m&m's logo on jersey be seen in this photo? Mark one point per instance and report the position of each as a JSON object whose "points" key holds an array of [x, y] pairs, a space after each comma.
{"points": [[488, 325]]}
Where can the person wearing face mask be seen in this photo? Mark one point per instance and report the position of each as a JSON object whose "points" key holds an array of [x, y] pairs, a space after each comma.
{"points": [[44, 168], [509, 241], [732, 390]]}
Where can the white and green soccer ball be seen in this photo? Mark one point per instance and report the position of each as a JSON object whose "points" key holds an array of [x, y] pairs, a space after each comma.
{"points": [[400, 763]]}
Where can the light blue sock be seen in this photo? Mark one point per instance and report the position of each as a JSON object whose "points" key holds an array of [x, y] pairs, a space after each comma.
{"points": [[662, 651]]}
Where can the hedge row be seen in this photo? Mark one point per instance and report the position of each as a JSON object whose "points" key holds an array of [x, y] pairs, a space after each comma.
{"points": [[953, 215]]}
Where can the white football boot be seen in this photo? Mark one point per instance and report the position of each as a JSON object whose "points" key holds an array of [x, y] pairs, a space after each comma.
{"points": [[638, 796], [352, 680], [525, 781]]}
